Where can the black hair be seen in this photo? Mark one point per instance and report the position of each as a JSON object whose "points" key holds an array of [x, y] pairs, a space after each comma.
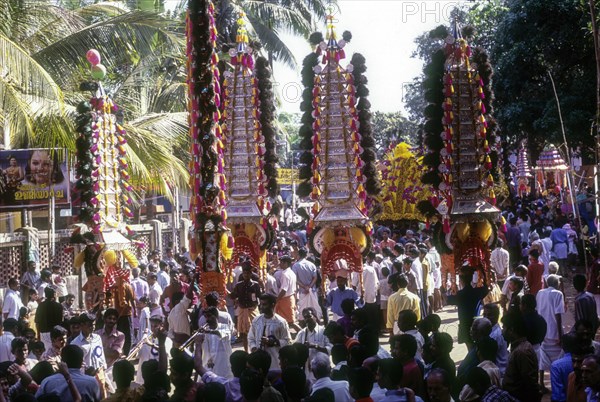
{"points": [[72, 355], [10, 324], [269, 298], [260, 360], [339, 353], [514, 321], [444, 374], [361, 381], [18, 343], [579, 282], [357, 355], [408, 318], [402, 281], [181, 362], [434, 321], [347, 306], [176, 298], [303, 353], [238, 361], [251, 384], [294, 379], [443, 342], [49, 292], [369, 339], [529, 301], [212, 299], [478, 379], [361, 314], [407, 342], [289, 354], [123, 373], [333, 328], [212, 310], [487, 348], [111, 312], [212, 392], [392, 370], [41, 370]]}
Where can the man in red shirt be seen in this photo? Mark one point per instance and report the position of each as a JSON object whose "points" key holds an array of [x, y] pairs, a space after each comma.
{"points": [[403, 348], [535, 272]]}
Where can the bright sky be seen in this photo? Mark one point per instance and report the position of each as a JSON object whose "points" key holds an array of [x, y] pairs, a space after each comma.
{"points": [[384, 32]]}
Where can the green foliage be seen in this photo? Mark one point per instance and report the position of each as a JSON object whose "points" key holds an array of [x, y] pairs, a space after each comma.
{"points": [[526, 40], [392, 128], [536, 38]]}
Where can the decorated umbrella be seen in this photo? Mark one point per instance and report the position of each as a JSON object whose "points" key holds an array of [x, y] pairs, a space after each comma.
{"points": [[461, 165], [103, 189], [523, 173], [249, 154], [551, 169], [338, 171]]}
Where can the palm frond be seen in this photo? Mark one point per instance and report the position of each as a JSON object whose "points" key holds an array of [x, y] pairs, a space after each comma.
{"points": [[153, 162], [124, 40], [27, 91], [101, 11], [277, 15], [271, 42]]}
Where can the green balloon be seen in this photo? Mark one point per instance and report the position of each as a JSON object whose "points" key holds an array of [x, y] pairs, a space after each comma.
{"points": [[98, 71]]}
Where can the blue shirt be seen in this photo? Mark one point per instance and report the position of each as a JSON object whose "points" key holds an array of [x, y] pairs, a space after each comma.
{"points": [[398, 396], [56, 384], [502, 355], [592, 396], [336, 296], [305, 271], [559, 377]]}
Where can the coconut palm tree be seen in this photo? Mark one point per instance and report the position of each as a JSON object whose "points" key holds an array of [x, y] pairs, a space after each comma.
{"points": [[41, 53], [267, 19]]}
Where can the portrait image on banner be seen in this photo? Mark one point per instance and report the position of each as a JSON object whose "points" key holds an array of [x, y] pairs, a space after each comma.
{"points": [[29, 177]]}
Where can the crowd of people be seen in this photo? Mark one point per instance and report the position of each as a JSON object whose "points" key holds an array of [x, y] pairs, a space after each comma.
{"points": [[291, 334]]}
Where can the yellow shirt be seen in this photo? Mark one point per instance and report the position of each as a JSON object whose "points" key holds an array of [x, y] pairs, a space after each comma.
{"points": [[402, 300]]}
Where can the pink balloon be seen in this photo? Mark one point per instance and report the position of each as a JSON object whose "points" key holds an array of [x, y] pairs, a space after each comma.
{"points": [[93, 56]]}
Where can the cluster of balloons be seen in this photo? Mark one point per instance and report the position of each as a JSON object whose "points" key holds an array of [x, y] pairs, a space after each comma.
{"points": [[98, 70]]}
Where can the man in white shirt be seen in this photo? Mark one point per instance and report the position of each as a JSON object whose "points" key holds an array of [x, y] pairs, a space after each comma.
{"points": [[140, 286], [12, 300], [269, 331], [213, 345], [178, 319], [370, 282], [91, 343], [30, 279], [149, 349], [321, 369], [154, 289], [286, 300], [499, 259], [313, 337], [162, 276], [9, 327], [436, 272], [551, 306]]}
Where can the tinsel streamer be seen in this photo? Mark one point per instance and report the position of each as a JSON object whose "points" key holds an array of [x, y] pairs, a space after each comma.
{"points": [[267, 117], [208, 201], [306, 130], [434, 95], [85, 166], [367, 142]]}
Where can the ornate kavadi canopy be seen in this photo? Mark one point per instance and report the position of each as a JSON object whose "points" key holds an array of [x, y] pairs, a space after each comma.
{"points": [[338, 174], [249, 151]]}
